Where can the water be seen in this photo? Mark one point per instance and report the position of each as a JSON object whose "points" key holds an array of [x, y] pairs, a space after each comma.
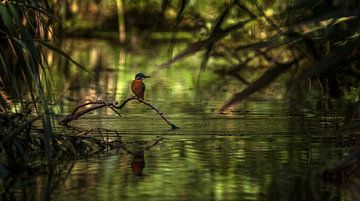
{"points": [[259, 151]]}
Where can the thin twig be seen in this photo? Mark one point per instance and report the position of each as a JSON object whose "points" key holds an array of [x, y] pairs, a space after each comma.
{"points": [[75, 115], [19, 129], [112, 105], [160, 113], [82, 105]]}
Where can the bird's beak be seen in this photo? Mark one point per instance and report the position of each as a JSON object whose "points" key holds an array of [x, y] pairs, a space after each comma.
{"points": [[147, 76]]}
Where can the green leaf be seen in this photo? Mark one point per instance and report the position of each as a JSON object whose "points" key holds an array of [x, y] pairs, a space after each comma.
{"points": [[7, 19], [343, 19]]}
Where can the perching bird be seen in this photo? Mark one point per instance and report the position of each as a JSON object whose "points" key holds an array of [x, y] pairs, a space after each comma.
{"points": [[137, 85]]}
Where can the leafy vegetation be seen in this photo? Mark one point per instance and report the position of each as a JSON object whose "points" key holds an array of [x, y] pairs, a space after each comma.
{"points": [[313, 42], [23, 24], [311, 39], [26, 27]]}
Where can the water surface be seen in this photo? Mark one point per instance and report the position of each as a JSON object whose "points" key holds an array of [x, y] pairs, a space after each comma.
{"points": [[260, 150]]}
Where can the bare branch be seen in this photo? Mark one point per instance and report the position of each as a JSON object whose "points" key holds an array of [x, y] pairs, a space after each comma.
{"points": [[160, 113], [112, 105]]}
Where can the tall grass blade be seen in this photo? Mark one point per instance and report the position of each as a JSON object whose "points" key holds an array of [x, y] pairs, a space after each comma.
{"points": [[261, 82], [181, 8], [62, 53], [199, 45], [216, 27]]}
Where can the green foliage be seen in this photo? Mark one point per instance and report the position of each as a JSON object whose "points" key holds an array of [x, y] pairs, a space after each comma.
{"points": [[318, 38], [25, 28], [22, 62]]}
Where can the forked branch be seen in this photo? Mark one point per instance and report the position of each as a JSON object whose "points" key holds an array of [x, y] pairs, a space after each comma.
{"points": [[94, 105]]}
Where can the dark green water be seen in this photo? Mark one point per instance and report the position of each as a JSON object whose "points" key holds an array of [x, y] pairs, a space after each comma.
{"points": [[260, 151]]}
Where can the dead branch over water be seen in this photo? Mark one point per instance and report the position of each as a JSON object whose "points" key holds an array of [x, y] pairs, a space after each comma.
{"points": [[80, 110]]}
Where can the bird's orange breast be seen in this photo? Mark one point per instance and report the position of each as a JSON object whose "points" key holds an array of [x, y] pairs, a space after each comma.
{"points": [[137, 88]]}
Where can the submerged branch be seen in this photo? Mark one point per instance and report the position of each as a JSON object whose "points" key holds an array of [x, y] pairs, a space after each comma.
{"points": [[79, 111]]}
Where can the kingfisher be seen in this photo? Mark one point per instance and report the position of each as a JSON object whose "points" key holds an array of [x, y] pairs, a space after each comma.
{"points": [[138, 86]]}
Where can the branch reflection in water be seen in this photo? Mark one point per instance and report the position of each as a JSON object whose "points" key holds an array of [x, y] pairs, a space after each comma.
{"points": [[22, 183]]}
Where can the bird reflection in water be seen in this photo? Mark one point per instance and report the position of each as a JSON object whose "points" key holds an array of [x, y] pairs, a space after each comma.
{"points": [[138, 159]]}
